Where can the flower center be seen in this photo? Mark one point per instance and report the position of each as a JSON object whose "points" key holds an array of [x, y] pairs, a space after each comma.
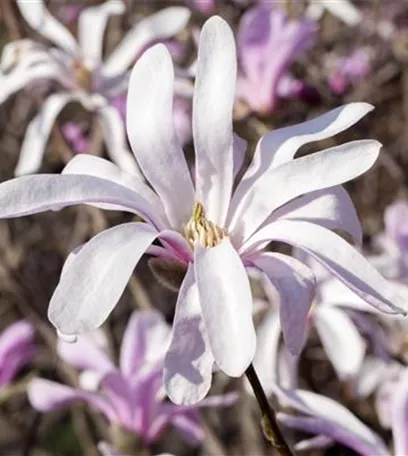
{"points": [[82, 75], [200, 229]]}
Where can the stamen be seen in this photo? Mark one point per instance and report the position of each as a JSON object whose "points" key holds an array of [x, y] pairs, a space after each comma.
{"points": [[200, 229], [82, 75]]}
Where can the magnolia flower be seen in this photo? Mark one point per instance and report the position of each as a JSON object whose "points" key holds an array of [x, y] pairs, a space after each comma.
{"points": [[79, 69], [16, 350], [208, 229], [131, 395], [392, 262], [268, 43], [331, 422]]}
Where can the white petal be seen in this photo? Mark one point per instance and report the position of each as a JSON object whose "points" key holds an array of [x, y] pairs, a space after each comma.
{"points": [[341, 341], [91, 28], [151, 134], [400, 416], [295, 284], [284, 183], [92, 285], [338, 257], [113, 131], [331, 208], [344, 10], [38, 133], [189, 361], [40, 19], [239, 151], [280, 146], [213, 101], [226, 305], [158, 26]]}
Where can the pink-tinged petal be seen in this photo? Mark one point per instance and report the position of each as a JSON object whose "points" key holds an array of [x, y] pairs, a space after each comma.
{"points": [[91, 28], [113, 131], [400, 416], [226, 306], [46, 396], [104, 169], [96, 278], [151, 133], [319, 442], [213, 100], [267, 351], [280, 146], [341, 341], [156, 27], [189, 361], [38, 132], [331, 208], [16, 337], [118, 391], [295, 284], [38, 193], [318, 171], [335, 433], [396, 223], [85, 355], [190, 427], [224, 400], [239, 151], [144, 341], [330, 417], [40, 19], [339, 257]]}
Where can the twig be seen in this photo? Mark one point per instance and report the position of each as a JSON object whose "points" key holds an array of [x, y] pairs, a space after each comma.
{"points": [[270, 424]]}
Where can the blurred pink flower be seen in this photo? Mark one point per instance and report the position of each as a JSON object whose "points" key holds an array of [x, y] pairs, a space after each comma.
{"points": [[131, 395], [75, 135], [16, 350], [212, 230], [80, 71], [268, 43]]}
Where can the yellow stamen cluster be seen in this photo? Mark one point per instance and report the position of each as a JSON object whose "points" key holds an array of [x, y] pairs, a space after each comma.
{"points": [[200, 229], [82, 75]]}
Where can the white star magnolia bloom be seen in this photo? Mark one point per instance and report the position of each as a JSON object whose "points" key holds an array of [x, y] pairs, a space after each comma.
{"points": [[79, 69], [214, 231]]}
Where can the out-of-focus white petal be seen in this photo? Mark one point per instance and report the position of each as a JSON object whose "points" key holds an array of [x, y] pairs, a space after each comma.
{"points": [[295, 284], [226, 305], [213, 100], [159, 26], [38, 132], [91, 28], [284, 183], [96, 278], [149, 124], [40, 19], [338, 257], [189, 361], [400, 416], [341, 341], [342, 9]]}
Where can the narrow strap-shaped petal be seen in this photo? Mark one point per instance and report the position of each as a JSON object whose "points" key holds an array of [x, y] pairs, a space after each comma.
{"points": [[85, 354], [339, 257], [332, 415], [239, 151], [38, 133], [213, 100], [341, 341], [280, 146], [190, 427], [91, 286], [43, 192], [400, 416], [226, 306], [104, 169], [282, 184], [144, 341], [46, 396], [15, 337], [331, 208], [189, 361], [320, 441], [151, 133], [113, 131], [40, 19], [295, 284], [158, 26], [91, 28], [343, 10]]}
